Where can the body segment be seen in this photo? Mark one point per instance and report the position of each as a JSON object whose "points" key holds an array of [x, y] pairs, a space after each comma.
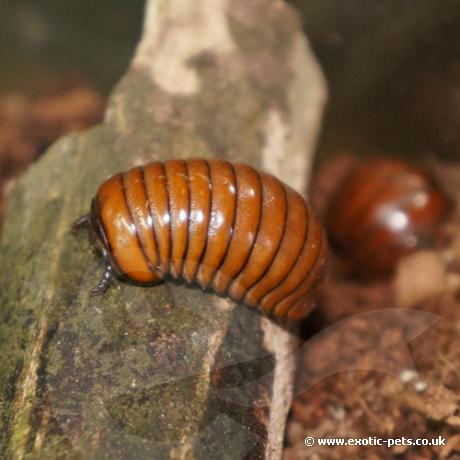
{"points": [[383, 210]]}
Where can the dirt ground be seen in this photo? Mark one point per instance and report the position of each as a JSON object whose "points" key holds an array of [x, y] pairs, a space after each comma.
{"points": [[382, 359], [29, 125]]}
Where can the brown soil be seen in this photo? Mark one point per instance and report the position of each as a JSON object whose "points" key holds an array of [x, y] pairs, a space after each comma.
{"points": [[28, 126], [372, 368]]}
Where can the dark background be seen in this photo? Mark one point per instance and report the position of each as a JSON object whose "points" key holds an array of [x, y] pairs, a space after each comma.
{"points": [[43, 40], [393, 66], [393, 69]]}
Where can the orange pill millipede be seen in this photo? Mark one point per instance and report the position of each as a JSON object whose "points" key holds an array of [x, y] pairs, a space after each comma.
{"points": [[222, 225], [383, 210]]}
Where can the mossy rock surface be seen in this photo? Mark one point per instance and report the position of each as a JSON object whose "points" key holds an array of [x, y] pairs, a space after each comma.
{"points": [[140, 371]]}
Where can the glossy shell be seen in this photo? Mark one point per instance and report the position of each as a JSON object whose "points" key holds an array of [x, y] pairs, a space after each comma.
{"points": [[383, 210], [224, 226]]}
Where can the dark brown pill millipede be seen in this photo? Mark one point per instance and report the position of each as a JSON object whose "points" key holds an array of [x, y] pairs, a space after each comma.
{"points": [[222, 225], [384, 210]]}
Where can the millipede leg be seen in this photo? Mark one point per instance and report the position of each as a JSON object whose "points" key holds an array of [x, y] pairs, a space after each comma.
{"points": [[81, 222], [105, 281]]}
